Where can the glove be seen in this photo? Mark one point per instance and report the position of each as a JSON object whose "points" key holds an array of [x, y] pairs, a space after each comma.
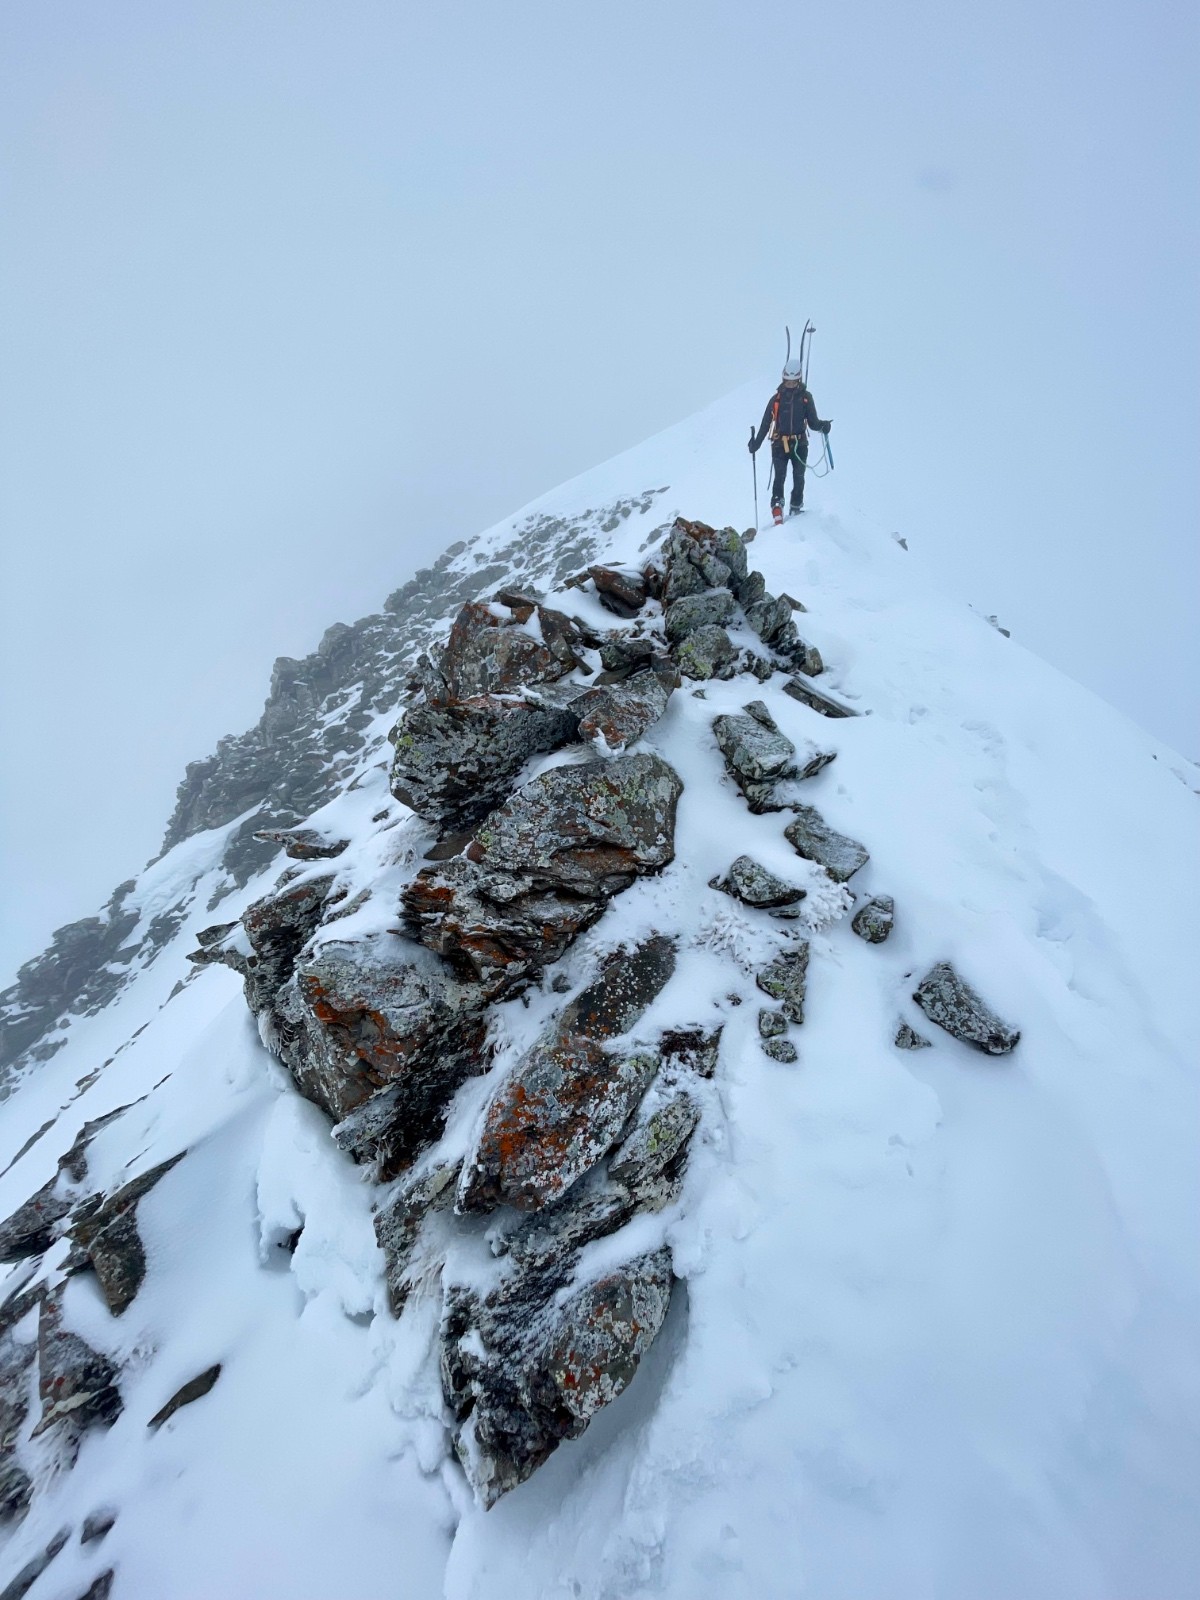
{"points": [[752, 447], [825, 427]]}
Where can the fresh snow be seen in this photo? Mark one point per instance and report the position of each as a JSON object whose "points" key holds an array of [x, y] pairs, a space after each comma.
{"points": [[940, 1326]]}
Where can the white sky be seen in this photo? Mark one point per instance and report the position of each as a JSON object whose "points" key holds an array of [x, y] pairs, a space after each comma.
{"points": [[294, 293]]}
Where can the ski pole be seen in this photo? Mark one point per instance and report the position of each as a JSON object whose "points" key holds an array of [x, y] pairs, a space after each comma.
{"points": [[754, 469], [828, 451]]}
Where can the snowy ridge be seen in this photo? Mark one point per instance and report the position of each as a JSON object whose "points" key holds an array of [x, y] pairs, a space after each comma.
{"points": [[938, 1327]]}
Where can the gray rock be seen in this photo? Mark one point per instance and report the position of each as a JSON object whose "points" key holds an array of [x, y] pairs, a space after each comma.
{"points": [[77, 1385], [811, 837], [32, 1570], [485, 655], [194, 1389], [453, 763], [34, 1226], [769, 618], [96, 1525], [381, 1036], [954, 1005], [101, 1589], [618, 714], [706, 653], [772, 1024], [807, 693], [520, 1373], [875, 920], [907, 1038], [621, 654], [589, 829], [567, 1100], [781, 1050], [756, 754], [713, 608], [16, 1359], [785, 979], [277, 928], [804, 657], [650, 1159], [105, 1236], [753, 885], [398, 1224], [552, 1236]]}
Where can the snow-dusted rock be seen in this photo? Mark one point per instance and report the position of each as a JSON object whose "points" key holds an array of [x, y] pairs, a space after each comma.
{"points": [[706, 653], [875, 920], [105, 1237], [907, 1037], [187, 1394], [521, 1374], [565, 1103], [712, 608], [817, 699], [785, 979], [398, 1223], [812, 837], [953, 1004], [649, 1160], [76, 1384], [781, 1049], [35, 1225], [589, 829], [623, 593], [304, 844], [757, 755], [753, 885], [618, 714]]}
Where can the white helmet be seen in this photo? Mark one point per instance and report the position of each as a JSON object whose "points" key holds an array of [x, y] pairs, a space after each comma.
{"points": [[793, 372]]}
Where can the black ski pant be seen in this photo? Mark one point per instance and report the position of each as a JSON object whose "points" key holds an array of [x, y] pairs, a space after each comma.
{"points": [[797, 454]]}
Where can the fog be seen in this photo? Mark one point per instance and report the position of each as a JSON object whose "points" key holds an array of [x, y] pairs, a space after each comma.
{"points": [[293, 294]]}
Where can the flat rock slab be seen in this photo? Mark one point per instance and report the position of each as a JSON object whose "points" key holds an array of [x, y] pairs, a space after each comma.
{"points": [[875, 920], [811, 837], [589, 829], [817, 699], [954, 1005], [194, 1389]]}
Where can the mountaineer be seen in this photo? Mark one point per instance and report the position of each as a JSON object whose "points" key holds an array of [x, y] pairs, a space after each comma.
{"points": [[789, 415]]}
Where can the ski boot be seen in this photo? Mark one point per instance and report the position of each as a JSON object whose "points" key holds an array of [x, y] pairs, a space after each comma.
{"points": [[796, 508], [777, 515]]}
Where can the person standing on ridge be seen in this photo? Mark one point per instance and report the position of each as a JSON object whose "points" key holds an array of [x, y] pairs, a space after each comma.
{"points": [[789, 415]]}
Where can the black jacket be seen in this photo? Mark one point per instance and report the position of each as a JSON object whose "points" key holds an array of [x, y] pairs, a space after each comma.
{"points": [[796, 411]]}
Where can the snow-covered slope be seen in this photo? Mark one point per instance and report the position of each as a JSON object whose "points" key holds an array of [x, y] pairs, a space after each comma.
{"points": [[938, 1329]]}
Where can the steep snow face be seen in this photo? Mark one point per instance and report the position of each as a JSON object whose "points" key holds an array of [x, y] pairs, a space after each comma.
{"points": [[937, 1329]]}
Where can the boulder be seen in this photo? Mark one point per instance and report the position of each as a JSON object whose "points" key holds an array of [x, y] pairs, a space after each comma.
{"points": [[565, 1103], [588, 829], [379, 1034], [706, 653], [622, 593], [875, 920], [521, 1373], [617, 715], [105, 1237], [547, 1238], [756, 754], [495, 928], [713, 608], [907, 1038], [811, 837], [621, 654], [954, 1005], [753, 885], [16, 1358], [273, 932], [769, 618], [453, 763], [785, 980], [487, 654]]}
